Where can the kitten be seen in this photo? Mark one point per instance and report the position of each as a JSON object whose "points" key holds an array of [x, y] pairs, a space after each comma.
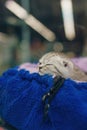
{"points": [[58, 64]]}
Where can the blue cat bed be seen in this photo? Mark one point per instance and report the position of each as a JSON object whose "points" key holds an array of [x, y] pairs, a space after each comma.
{"points": [[22, 107]]}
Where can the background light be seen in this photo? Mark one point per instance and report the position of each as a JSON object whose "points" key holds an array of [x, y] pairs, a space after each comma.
{"points": [[68, 19], [30, 20]]}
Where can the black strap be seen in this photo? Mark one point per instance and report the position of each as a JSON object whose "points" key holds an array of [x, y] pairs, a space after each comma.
{"points": [[48, 97]]}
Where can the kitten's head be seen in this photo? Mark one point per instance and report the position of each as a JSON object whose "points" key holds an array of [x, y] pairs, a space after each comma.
{"points": [[56, 64]]}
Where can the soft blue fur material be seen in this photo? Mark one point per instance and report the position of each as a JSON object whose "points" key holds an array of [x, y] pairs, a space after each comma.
{"points": [[21, 102]]}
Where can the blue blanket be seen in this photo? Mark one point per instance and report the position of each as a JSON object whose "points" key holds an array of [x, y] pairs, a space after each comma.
{"points": [[21, 102]]}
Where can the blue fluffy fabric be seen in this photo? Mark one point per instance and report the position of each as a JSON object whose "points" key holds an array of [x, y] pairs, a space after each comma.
{"points": [[21, 102]]}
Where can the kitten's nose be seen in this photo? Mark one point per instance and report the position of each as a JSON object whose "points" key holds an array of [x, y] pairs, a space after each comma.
{"points": [[40, 67]]}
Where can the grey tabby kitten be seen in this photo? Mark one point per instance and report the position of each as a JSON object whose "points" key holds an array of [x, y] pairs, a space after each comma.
{"points": [[58, 64]]}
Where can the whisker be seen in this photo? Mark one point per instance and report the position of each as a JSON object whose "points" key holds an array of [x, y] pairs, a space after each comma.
{"points": [[52, 70]]}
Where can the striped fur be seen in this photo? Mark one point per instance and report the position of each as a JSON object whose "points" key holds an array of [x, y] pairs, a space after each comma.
{"points": [[58, 64]]}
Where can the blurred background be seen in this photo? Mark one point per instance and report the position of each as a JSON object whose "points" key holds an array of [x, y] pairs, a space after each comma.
{"points": [[30, 28]]}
